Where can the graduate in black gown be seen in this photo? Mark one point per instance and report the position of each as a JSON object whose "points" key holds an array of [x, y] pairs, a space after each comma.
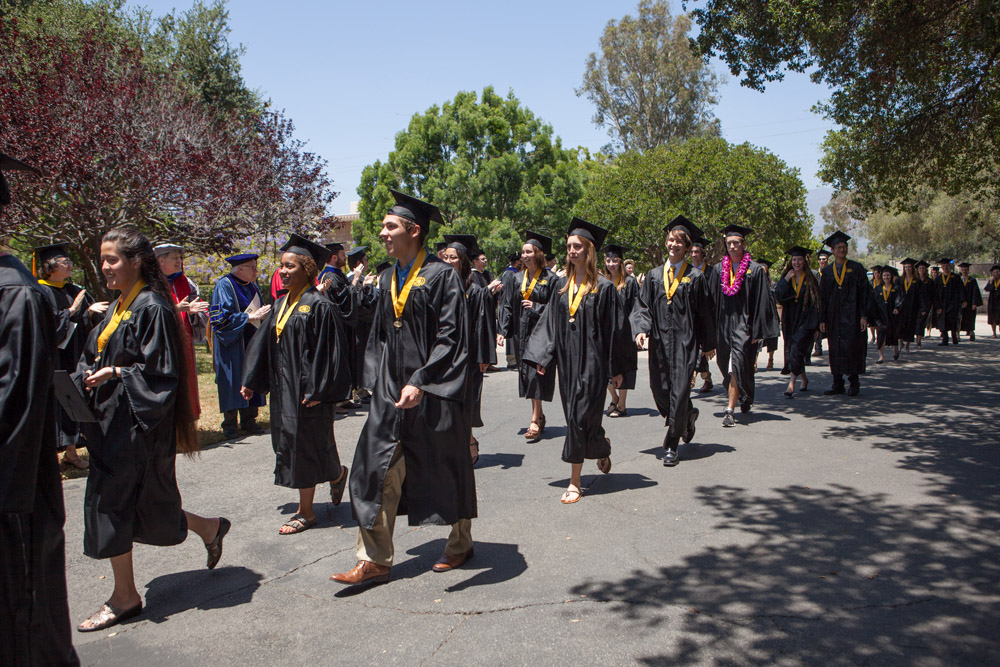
{"points": [[676, 316], [909, 292], [34, 614], [770, 344], [973, 300], [413, 454], [822, 259], [366, 299], [745, 316], [628, 294], [846, 300], [699, 261], [580, 335], [297, 356], [522, 304], [481, 323], [888, 308], [993, 304], [507, 278], [949, 300], [798, 293], [875, 285], [925, 302], [344, 293], [135, 372], [54, 268]]}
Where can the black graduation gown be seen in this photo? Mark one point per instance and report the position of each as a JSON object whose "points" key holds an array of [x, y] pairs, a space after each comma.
{"points": [[973, 298], [771, 343], [629, 297], [587, 353], [799, 323], [679, 331], [34, 614], [993, 304], [367, 298], [909, 308], [742, 318], [701, 366], [132, 493], [948, 297], [69, 432], [307, 362], [925, 300], [431, 352], [518, 323], [843, 306], [482, 343], [342, 293], [887, 319]]}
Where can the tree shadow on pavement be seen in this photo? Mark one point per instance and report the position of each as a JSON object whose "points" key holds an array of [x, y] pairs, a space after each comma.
{"points": [[833, 575], [223, 587]]}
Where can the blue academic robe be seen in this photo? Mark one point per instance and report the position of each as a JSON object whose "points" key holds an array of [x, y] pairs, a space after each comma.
{"points": [[231, 333]]}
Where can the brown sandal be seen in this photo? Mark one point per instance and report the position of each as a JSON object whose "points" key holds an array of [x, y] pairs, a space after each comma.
{"points": [[337, 487]]}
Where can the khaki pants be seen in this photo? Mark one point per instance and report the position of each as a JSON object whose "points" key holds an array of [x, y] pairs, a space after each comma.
{"points": [[375, 545]]}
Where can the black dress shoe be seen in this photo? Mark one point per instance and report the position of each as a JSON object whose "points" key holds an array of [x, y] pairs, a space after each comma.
{"points": [[670, 458], [834, 390], [854, 390], [692, 418], [746, 406]]}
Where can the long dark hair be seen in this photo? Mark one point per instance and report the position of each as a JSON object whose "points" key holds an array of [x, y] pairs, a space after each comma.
{"points": [[464, 268], [133, 245], [809, 282]]}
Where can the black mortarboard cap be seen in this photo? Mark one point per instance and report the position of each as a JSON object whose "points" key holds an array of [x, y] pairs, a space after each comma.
{"points": [[7, 163], [47, 252], [799, 251], [699, 242], [995, 267], [164, 248], [766, 263], [417, 210], [922, 263], [945, 261], [334, 246], [877, 267], [692, 229], [541, 240], [614, 250], [891, 269], [837, 237], [908, 260], [513, 257], [964, 265], [737, 230], [589, 231], [440, 245], [355, 255], [462, 242], [549, 256], [382, 266], [300, 245], [822, 252], [242, 258]]}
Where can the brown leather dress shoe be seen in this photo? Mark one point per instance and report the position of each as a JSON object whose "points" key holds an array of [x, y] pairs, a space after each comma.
{"points": [[449, 562], [365, 571]]}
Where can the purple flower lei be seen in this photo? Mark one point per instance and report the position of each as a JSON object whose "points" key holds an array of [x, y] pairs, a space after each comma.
{"points": [[741, 273]]}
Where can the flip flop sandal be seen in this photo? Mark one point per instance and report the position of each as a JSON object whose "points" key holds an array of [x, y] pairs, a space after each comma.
{"points": [[337, 488], [107, 616], [299, 524], [571, 495], [615, 412], [604, 465], [533, 432], [214, 548]]}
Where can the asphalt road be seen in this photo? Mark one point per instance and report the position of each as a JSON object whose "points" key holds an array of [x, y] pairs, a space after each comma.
{"points": [[822, 529]]}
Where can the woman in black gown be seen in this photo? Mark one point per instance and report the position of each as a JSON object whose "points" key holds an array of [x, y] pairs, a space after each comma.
{"points": [[993, 303], [298, 356], [628, 293], [798, 294], [135, 373], [579, 335], [909, 310], [522, 304], [888, 303]]}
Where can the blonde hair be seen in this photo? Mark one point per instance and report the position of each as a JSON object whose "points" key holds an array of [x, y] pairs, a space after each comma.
{"points": [[590, 278]]}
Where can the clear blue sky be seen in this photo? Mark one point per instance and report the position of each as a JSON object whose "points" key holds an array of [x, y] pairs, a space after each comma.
{"points": [[351, 74]]}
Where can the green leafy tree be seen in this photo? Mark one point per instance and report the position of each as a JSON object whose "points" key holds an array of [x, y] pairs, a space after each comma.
{"points": [[710, 181], [649, 86], [840, 214], [915, 86], [493, 168]]}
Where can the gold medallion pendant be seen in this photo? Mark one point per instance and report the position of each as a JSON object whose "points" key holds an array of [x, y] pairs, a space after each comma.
{"points": [[398, 324], [572, 319]]}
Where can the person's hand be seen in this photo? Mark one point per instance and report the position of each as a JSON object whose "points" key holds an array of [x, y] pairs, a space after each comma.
{"points": [[409, 397], [97, 378], [755, 341], [260, 313], [526, 303], [640, 341], [483, 367], [324, 286], [964, 304], [99, 308], [77, 302], [790, 276], [306, 402], [822, 327], [864, 323], [895, 311], [359, 272], [938, 311], [709, 354], [494, 286], [370, 279], [500, 339], [540, 369], [617, 381]]}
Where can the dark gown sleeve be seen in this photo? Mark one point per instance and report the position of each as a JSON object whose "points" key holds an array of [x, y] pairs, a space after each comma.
{"points": [[640, 318], [445, 372], [26, 365], [151, 382], [704, 324], [610, 307], [257, 363], [328, 378], [764, 316], [505, 310], [483, 345], [541, 346]]}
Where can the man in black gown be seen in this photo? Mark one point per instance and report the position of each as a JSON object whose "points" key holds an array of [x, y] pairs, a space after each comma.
{"points": [[822, 259], [973, 300], [413, 455], [34, 614], [949, 300], [745, 316], [700, 262], [846, 299]]}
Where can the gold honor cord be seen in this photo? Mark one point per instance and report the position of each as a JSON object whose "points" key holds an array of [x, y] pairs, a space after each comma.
{"points": [[797, 284], [287, 308], [574, 302], [843, 274], [671, 281], [886, 291], [119, 314], [58, 284], [399, 298], [527, 289], [945, 279], [906, 284], [996, 284]]}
